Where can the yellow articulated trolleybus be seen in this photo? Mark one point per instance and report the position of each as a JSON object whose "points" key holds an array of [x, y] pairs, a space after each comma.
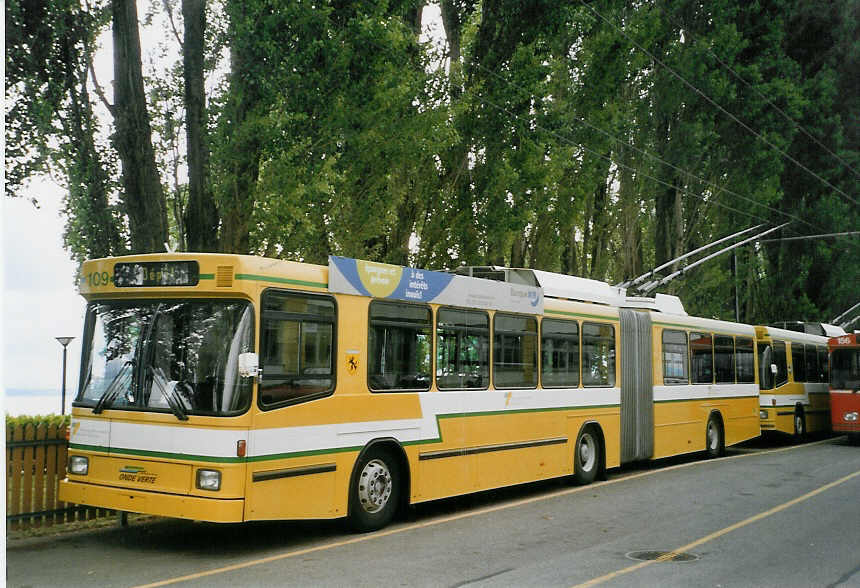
{"points": [[794, 381], [235, 388]]}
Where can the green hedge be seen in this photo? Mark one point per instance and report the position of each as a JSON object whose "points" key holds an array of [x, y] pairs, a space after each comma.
{"points": [[40, 419]]}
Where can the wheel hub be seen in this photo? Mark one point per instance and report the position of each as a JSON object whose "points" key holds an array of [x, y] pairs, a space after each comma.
{"points": [[586, 452], [374, 488]]}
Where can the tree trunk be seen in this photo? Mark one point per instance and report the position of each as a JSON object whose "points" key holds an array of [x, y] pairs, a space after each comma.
{"points": [[201, 218], [244, 166], [143, 193], [600, 231]]}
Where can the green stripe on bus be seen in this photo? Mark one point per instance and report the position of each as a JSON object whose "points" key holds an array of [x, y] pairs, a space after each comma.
{"points": [[207, 276], [257, 278]]}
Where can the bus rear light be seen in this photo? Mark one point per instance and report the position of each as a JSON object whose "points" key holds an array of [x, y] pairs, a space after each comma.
{"points": [[241, 448], [850, 417], [762, 414], [79, 465], [209, 480]]}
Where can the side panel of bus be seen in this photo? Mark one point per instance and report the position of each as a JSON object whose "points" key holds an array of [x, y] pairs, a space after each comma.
{"points": [[682, 409]]}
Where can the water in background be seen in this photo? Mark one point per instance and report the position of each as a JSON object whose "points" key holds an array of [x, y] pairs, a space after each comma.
{"points": [[17, 402]]}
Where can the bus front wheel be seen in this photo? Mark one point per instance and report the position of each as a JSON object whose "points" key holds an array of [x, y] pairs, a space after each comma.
{"points": [[375, 491], [799, 424], [586, 456]]}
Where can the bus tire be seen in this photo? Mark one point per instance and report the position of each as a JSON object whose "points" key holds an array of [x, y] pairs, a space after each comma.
{"points": [[586, 456], [715, 443], [799, 424], [374, 492]]}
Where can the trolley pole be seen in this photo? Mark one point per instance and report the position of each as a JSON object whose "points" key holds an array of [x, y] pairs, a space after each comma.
{"points": [[64, 341], [735, 275]]}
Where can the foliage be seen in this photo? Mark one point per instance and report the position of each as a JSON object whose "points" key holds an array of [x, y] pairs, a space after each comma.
{"points": [[37, 420], [591, 138]]}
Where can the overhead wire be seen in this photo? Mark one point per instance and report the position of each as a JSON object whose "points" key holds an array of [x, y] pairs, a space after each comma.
{"points": [[707, 98]]}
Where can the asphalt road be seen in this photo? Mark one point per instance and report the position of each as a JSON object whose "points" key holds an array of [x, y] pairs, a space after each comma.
{"points": [[767, 515]]}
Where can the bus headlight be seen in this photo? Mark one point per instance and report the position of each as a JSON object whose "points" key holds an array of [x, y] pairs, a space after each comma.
{"points": [[762, 414], [209, 480], [79, 465], [850, 417]]}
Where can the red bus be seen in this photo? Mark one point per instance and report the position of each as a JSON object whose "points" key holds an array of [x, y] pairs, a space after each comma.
{"points": [[845, 385]]}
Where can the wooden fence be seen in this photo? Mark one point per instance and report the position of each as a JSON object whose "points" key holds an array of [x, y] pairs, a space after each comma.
{"points": [[35, 464]]}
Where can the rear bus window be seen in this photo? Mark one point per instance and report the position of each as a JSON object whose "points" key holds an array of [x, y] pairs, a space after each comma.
{"points": [[400, 346], [745, 360], [559, 353], [514, 351], [724, 360], [675, 357], [598, 354], [701, 358]]}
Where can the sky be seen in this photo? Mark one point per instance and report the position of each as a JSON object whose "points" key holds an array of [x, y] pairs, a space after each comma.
{"points": [[40, 301]]}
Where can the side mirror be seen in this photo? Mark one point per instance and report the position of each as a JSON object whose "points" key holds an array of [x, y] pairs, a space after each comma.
{"points": [[249, 365], [773, 369]]}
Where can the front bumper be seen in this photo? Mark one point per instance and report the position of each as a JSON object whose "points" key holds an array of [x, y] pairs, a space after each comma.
{"points": [[155, 503]]}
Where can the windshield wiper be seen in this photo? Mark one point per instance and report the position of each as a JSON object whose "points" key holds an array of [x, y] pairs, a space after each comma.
{"points": [[114, 387], [168, 392]]}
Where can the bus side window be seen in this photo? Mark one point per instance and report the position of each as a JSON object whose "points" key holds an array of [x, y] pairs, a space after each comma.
{"points": [[675, 357], [598, 354], [798, 362], [514, 351], [745, 360], [297, 347], [823, 365], [462, 349], [701, 358], [559, 353], [811, 361], [781, 362], [724, 360], [400, 346]]}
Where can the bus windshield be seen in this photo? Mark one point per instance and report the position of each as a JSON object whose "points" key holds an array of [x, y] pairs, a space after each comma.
{"points": [[845, 372], [167, 356]]}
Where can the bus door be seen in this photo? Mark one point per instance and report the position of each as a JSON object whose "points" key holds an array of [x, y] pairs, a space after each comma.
{"points": [[637, 392]]}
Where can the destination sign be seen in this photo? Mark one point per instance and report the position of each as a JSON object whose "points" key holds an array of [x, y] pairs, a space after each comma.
{"points": [[156, 273]]}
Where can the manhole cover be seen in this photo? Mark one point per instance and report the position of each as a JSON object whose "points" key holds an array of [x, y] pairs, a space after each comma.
{"points": [[662, 556]]}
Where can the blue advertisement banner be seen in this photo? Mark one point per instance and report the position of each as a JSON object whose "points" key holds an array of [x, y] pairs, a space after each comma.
{"points": [[381, 280]]}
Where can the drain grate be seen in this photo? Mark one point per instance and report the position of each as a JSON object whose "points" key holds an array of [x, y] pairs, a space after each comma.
{"points": [[662, 556]]}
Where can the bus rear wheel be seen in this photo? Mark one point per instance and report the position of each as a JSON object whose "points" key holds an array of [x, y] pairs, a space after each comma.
{"points": [[714, 443], [374, 492], [586, 456]]}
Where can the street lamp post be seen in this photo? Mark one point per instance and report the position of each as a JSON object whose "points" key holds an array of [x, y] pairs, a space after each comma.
{"points": [[64, 341]]}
